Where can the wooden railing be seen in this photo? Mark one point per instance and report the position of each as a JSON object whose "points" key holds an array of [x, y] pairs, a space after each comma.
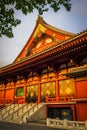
{"points": [[19, 101], [60, 99], [6, 101], [10, 101], [65, 124]]}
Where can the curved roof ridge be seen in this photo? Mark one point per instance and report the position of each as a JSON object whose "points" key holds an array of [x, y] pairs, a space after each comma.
{"points": [[42, 21]]}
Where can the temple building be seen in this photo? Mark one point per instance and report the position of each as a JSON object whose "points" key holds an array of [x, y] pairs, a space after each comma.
{"points": [[51, 68]]}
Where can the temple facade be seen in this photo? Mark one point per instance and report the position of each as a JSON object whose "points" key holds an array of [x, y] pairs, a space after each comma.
{"points": [[51, 68]]}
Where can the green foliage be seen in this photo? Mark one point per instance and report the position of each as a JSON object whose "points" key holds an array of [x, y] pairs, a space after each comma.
{"points": [[8, 7]]}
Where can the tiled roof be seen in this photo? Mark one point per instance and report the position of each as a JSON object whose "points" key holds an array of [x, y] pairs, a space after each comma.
{"points": [[78, 71]]}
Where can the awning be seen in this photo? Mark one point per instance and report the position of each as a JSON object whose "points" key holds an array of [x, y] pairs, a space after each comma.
{"points": [[78, 71]]}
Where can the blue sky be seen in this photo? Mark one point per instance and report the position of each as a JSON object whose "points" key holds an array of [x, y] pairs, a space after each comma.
{"points": [[74, 21]]}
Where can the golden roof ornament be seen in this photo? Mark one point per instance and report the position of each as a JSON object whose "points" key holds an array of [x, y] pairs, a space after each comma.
{"points": [[40, 19]]}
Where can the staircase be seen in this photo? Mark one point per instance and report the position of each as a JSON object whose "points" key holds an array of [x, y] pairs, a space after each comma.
{"points": [[18, 113]]}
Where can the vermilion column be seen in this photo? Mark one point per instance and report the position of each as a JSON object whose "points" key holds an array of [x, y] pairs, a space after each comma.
{"points": [[39, 91], [14, 92], [57, 90], [73, 110], [4, 94], [25, 90]]}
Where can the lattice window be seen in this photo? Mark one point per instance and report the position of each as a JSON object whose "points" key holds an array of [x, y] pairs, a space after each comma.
{"points": [[66, 87]]}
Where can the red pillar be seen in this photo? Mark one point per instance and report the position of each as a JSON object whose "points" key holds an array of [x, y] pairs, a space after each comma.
{"points": [[13, 91], [25, 90], [73, 110], [39, 90], [57, 88]]}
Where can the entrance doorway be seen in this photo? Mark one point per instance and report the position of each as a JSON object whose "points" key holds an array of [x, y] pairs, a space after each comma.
{"points": [[60, 112]]}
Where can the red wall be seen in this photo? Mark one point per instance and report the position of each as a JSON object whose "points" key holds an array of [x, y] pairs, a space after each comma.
{"points": [[1, 94], [81, 93], [82, 111], [9, 94], [81, 89]]}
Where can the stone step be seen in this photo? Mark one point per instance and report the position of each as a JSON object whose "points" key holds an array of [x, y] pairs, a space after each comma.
{"points": [[38, 122]]}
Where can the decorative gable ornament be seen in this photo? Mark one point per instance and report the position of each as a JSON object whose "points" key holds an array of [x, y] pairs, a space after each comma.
{"points": [[42, 37]]}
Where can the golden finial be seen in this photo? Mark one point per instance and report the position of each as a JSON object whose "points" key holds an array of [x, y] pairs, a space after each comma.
{"points": [[40, 19]]}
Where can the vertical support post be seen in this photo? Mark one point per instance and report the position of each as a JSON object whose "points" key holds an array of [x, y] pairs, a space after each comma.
{"points": [[48, 123], [85, 124], [13, 92], [4, 93], [39, 90], [73, 114], [25, 90], [57, 90]]}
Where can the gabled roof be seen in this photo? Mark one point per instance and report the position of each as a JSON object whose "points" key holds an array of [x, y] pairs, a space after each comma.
{"points": [[47, 34], [70, 47]]}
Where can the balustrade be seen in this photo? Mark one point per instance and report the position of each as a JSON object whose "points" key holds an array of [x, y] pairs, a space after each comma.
{"points": [[56, 123], [60, 99], [6, 101]]}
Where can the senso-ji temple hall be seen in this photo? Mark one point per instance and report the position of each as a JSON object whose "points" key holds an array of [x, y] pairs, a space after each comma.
{"points": [[51, 68]]}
